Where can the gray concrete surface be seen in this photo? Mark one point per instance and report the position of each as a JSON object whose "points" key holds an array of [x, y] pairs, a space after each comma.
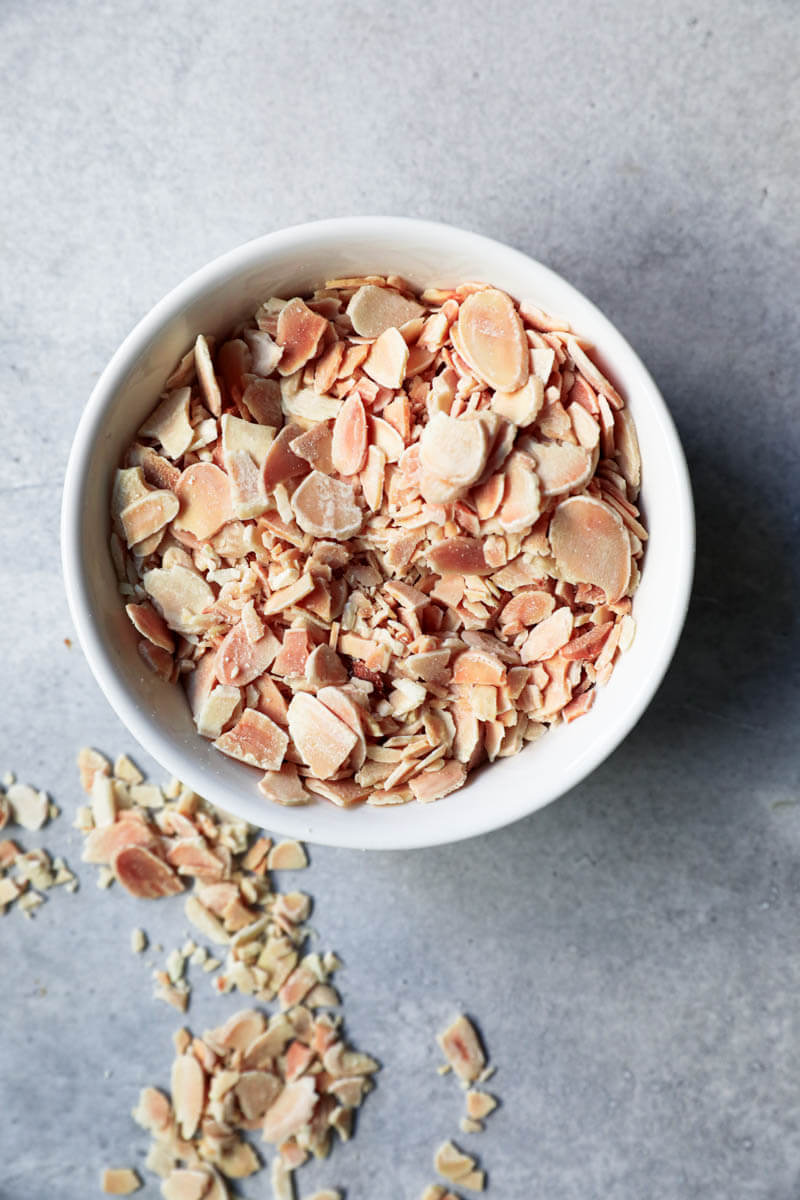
{"points": [[632, 951]]}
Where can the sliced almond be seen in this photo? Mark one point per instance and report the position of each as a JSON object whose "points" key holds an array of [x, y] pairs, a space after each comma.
{"points": [[186, 1183], [546, 638], [147, 515], [179, 594], [522, 406], [287, 856], [493, 339], [372, 477], [256, 740], [169, 424], [458, 556], [479, 1104], [29, 807], [188, 1093], [462, 1049], [264, 353], [207, 377], [454, 449], [521, 500], [373, 310], [316, 447], [262, 399], [239, 661], [299, 333], [321, 738], [143, 874], [591, 545], [452, 1162], [386, 438], [205, 496], [120, 1181], [387, 360], [349, 446], [281, 463], [284, 786], [151, 625], [434, 785], [326, 507], [627, 451], [561, 467], [291, 1111]]}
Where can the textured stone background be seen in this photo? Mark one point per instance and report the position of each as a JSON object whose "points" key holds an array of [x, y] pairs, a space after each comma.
{"points": [[632, 951]]}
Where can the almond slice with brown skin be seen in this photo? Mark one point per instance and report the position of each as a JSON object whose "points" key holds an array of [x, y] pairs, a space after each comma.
{"points": [[387, 359], [169, 424], [291, 1111], [207, 377], [458, 556], [548, 636], [281, 463], [372, 310], [205, 495], [239, 661], [256, 740], [188, 1084], [326, 507], [299, 333], [349, 446], [147, 515], [143, 874], [493, 340], [323, 740], [560, 466], [454, 449], [521, 499], [591, 545]]}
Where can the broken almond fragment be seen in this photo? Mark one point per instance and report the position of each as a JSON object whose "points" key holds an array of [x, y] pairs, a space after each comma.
{"points": [[326, 507], [282, 463], [287, 856], [143, 874], [284, 786], [452, 1162], [291, 1111], [479, 1104], [560, 466], [120, 1181], [548, 636], [387, 360], [590, 545], [321, 738], [188, 1086], [186, 1183], [522, 406], [458, 556], [493, 340], [454, 449], [205, 496], [462, 1049], [169, 424], [521, 500], [207, 377], [349, 445], [29, 807], [299, 332], [256, 740], [239, 661], [147, 515]]}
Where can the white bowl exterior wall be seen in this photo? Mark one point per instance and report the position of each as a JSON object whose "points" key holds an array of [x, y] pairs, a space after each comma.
{"points": [[295, 261]]}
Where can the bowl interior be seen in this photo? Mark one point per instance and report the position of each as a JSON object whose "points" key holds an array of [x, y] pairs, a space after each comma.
{"points": [[291, 262]]}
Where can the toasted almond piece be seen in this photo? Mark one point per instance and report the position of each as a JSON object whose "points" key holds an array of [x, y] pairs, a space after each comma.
{"points": [[458, 556], [120, 1181], [372, 310], [143, 874], [150, 625], [324, 667], [454, 448], [548, 636], [246, 437], [592, 373], [521, 500], [493, 340], [255, 1092], [129, 485], [102, 844], [462, 1048], [316, 446], [29, 808], [522, 406], [326, 507], [560, 466], [90, 763], [474, 1180], [627, 451], [478, 666], [340, 1062], [349, 445], [188, 1085], [158, 660], [452, 1162], [433, 785], [479, 1104], [300, 333], [284, 786], [180, 594], [587, 430], [281, 463], [239, 661], [264, 353], [372, 477], [385, 437], [590, 545], [186, 1183], [527, 607], [323, 740], [291, 1111], [206, 376], [387, 359], [262, 399], [154, 1111], [287, 856], [147, 515], [9, 891], [256, 740], [587, 645], [169, 423], [205, 495]]}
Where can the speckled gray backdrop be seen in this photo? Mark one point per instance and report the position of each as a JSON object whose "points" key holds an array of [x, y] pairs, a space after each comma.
{"points": [[632, 951]]}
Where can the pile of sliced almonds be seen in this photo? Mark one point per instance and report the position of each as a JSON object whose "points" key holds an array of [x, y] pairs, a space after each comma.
{"points": [[25, 875], [291, 1077], [381, 536]]}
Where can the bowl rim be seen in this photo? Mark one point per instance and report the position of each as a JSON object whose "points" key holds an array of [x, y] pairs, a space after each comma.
{"points": [[218, 272]]}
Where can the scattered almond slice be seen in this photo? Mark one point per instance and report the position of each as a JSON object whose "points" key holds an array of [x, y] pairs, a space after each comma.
{"points": [[299, 333], [239, 660], [169, 424], [452, 1162], [120, 1181], [143, 874], [522, 406], [287, 856], [28, 807], [462, 1049], [479, 1104], [323, 740], [256, 740]]}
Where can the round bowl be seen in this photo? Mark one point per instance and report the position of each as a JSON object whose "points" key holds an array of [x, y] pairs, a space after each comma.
{"points": [[293, 261]]}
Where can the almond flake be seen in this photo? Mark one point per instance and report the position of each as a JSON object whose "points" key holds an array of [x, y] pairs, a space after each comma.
{"points": [[287, 856], [387, 360], [120, 1181]]}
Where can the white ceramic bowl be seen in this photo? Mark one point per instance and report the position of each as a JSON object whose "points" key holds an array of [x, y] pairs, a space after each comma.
{"points": [[293, 261]]}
